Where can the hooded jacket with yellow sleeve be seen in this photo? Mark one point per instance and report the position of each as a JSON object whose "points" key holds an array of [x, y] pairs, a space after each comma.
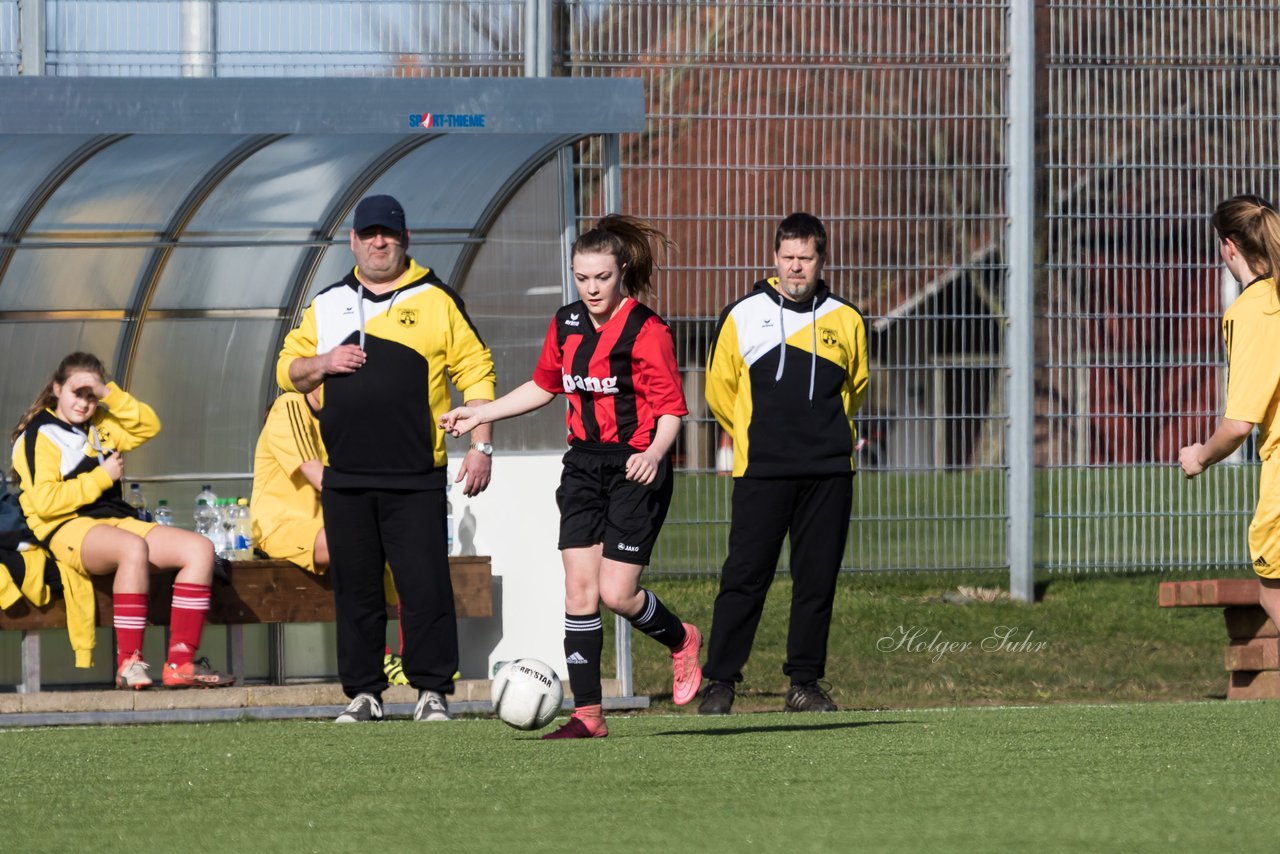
{"points": [[416, 336], [59, 467], [785, 379]]}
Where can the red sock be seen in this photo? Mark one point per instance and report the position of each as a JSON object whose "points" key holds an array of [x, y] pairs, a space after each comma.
{"points": [[129, 620], [186, 621]]}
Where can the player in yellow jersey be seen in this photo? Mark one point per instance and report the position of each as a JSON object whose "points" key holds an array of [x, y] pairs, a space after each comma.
{"points": [[287, 466], [1249, 236], [68, 453]]}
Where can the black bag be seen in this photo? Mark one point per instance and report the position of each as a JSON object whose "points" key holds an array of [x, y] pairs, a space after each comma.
{"points": [[13, 524]]}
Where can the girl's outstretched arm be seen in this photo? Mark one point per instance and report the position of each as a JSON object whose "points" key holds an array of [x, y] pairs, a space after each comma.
{"points": [[526, 398]]}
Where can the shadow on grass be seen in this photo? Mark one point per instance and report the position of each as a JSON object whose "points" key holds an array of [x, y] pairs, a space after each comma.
{"points": [[742, 730]]}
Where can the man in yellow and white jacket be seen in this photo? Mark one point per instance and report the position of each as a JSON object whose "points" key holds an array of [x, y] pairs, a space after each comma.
{"points": [[383, 342], [786, 375]]}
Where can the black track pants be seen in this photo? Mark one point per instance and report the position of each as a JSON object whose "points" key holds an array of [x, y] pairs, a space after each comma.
{"points": [[368, 529], [816, 513]]}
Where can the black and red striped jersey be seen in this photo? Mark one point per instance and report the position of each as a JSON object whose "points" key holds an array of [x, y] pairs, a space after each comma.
{"points": [[618, 379]]}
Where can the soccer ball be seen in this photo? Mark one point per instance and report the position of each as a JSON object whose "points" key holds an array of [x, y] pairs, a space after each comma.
{"points": [[526, 693]]}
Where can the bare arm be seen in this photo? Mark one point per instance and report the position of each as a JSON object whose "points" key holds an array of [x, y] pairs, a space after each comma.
{"points": [[308, 372], [526, 398], [313, 471], [1229, 436], [643, 467], [476, 470]]}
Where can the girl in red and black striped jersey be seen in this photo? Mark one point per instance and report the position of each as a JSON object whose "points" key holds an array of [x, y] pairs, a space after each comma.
{"points": [[614, 360]]}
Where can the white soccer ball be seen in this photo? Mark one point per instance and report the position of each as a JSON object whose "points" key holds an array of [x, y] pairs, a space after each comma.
{"points": [[526, 693]]}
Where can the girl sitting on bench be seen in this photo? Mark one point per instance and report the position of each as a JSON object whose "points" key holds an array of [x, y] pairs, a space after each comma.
{"points": [[67, 455]]}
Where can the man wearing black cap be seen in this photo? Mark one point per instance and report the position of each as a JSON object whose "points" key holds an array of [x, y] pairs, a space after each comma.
{"points": [[382, 341]]}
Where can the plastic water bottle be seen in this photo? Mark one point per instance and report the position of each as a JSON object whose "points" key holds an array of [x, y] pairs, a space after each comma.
{"points": [[224, 544], [448, 522], [138, 502], [164, 515], [242, 529], [467, 532], [204, 519], [206, 494]]}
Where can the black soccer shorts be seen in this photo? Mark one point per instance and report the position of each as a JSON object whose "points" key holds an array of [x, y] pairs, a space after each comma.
{"points": [[599, 505]]}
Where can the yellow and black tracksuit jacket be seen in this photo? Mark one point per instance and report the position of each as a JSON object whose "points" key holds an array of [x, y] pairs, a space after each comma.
{"points": [[379, 423], [785, 379], [23, 575], [59, 466]]}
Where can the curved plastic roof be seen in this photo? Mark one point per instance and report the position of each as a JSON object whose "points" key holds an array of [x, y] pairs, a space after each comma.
{"points": [[177, 228]]}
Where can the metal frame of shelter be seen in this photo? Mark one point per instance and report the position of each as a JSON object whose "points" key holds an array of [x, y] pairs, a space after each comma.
{"points": [[524, 122]]}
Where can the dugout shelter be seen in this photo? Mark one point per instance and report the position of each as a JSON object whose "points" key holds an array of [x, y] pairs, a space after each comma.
{"points": [[178, 227]]}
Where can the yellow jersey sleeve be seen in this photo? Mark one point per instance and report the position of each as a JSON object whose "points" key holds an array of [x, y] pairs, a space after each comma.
{"points": [[300, 343], [124, 422], [470, 363], [723, 374]]}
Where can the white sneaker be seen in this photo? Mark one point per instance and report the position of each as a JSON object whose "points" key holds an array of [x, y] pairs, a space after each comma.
{"points": [[133, 673], [432, 706], [365, 707]]}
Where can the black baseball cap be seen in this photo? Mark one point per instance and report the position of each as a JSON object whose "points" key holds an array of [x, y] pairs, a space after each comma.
{"points": [[379, 210]]}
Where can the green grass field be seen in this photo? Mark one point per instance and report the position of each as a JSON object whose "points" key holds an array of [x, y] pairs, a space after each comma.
{"points": [[1112, 736], [1133, 778], [897, 641]]}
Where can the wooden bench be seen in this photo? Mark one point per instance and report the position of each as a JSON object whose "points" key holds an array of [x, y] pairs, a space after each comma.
{"points": [[1252, 656], [274, 592]]}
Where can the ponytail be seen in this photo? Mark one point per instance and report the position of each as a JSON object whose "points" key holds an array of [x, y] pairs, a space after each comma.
{"points": [[631, 242], [1253, 225], [48, 399], [1270, 234]]}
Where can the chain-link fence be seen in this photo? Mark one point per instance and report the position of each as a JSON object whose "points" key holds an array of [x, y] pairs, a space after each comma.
{"points": [[1152, 115], [237, 38], [889, 121]]}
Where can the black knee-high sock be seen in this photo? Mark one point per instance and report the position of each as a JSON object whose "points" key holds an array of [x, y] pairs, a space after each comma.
{"points": [[583, 644], [657, 622]]}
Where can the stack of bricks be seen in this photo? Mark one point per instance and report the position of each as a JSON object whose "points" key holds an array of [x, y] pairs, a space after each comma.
{"points": [[1253, 655]]}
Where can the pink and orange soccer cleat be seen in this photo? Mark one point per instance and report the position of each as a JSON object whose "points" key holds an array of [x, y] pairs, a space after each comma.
{"points": [[195, 674], [684, 661], [577, 727]]}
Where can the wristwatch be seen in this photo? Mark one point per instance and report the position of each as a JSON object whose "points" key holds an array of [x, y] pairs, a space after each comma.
{"points": [[484, 448]]}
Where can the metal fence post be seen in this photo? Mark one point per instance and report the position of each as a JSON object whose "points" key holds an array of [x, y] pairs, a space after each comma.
{"points": [[1020, 322], [611, 160], [31, 34], [537, 38], [199, 39]]}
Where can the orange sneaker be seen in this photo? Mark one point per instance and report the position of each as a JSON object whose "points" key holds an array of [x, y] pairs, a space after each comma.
{"points": [[133, 673], [578, 728], [684, 661], [195, 674]]}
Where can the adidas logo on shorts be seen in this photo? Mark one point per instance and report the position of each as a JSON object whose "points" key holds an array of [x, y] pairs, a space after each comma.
{"points": [[1261, 562]]}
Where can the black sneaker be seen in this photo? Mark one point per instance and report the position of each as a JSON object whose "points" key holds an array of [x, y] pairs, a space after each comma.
{"points": [[809, 697], [717, 699], [365, 707]]}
